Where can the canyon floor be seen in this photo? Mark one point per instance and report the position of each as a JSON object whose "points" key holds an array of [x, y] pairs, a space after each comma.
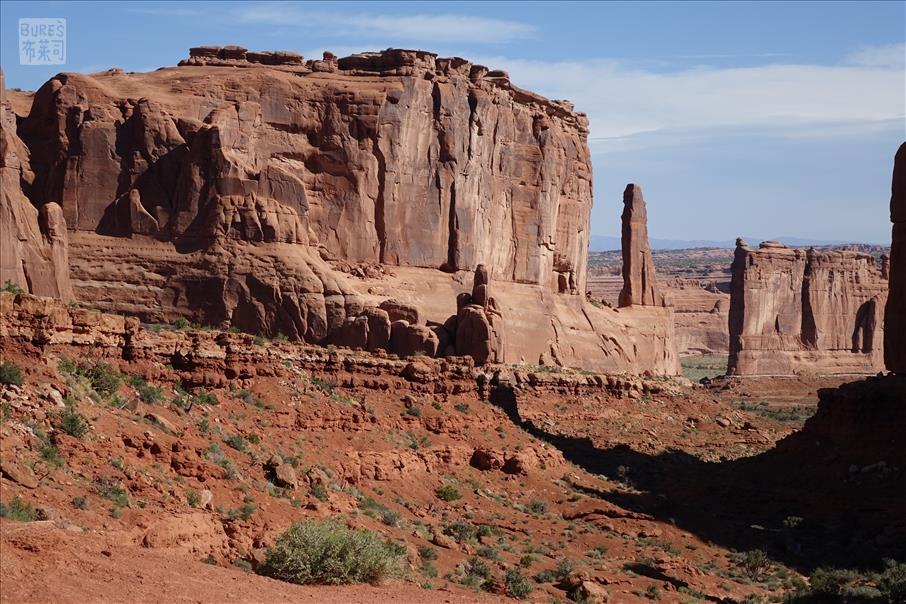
{"points": [[621, 489]]}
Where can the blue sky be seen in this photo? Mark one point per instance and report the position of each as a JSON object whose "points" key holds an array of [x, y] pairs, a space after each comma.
{"points": [[759, 118]]}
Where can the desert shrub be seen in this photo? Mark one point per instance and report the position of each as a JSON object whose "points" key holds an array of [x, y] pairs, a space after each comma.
{"points": [[17, 510], [245, 512], [319, 492], [51, 454], [597, 552], [237, 442], [537, 507], [9, 287], [892, 581], [526, 561], [147, 393], [10, 374], [461, 530], [193, 498], [476, 567], [489, 552], [390, 517], [80, 502], [558, 573], [73, 423], [426, 552], [447, 493], [462, 407], [517, 585], [109, 488], [104, 379], [328, 553], [216, 455], [755, 564]]}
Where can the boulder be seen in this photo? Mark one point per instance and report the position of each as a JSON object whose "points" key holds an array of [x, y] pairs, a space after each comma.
{"points": [[398, 311], [378, 329], [411, 340]]}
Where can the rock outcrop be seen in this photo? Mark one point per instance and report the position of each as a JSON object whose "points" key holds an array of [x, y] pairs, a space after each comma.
{"points": [[477, 328], [639, 281], [33, 243], [431, 162], [798, 311], [233, 189], [700, 313], [895, 315]]}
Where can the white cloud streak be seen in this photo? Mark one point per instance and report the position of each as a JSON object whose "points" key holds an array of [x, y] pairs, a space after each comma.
{"points": [[422, 28], [623, 101]]}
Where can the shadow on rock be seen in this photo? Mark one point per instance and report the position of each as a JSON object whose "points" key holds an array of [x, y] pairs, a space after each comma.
{"points": [[832, 494]]}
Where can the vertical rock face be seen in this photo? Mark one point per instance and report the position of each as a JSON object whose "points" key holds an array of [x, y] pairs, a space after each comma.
{"points": [[233, 189], [797, 311], [639, 283], [895, 316], [429, 162], [33, 244]]}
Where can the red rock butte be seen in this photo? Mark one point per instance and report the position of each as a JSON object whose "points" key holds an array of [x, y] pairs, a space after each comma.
{"points": [[805, 311], [278, 195]]}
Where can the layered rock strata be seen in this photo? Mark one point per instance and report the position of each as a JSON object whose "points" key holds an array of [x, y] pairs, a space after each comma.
{"points": [[33, 245], [639, 282], [797, 311], [225, 191], [895, 316]]}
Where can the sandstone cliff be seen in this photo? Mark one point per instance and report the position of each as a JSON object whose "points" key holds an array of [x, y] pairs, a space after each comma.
{"points": [[798, 311], [229, 190], [33, 247], [430, 162], [895, 315], [639, 281]]}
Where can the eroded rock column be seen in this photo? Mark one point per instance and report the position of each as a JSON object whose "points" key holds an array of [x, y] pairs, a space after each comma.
{"points": [[895, 314], [639, 282]]}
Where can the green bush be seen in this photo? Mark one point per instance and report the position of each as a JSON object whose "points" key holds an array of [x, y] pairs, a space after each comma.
{"points": [[517, 585], [147, 393], [755, 564], [447, 493], [10, 374], [11, 288], [892, 582], [237, 442], [328, 553], [73, 423], [104, 379], [17, 510], [537, 507]]}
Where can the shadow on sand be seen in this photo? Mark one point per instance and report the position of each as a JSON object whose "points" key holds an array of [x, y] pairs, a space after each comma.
{"points": [[851, 509]]}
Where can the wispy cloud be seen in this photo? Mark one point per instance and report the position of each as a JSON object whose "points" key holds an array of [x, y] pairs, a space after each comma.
{"points": [[624, 100], [412, 28], [891, 56], [166, 10]]}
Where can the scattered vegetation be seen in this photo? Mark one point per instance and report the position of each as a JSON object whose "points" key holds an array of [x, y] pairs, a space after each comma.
{"points": [[17, 510], [9, 287], [704, 366], [10, 374], [73, 423], [327, 553], [447, 493]]}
